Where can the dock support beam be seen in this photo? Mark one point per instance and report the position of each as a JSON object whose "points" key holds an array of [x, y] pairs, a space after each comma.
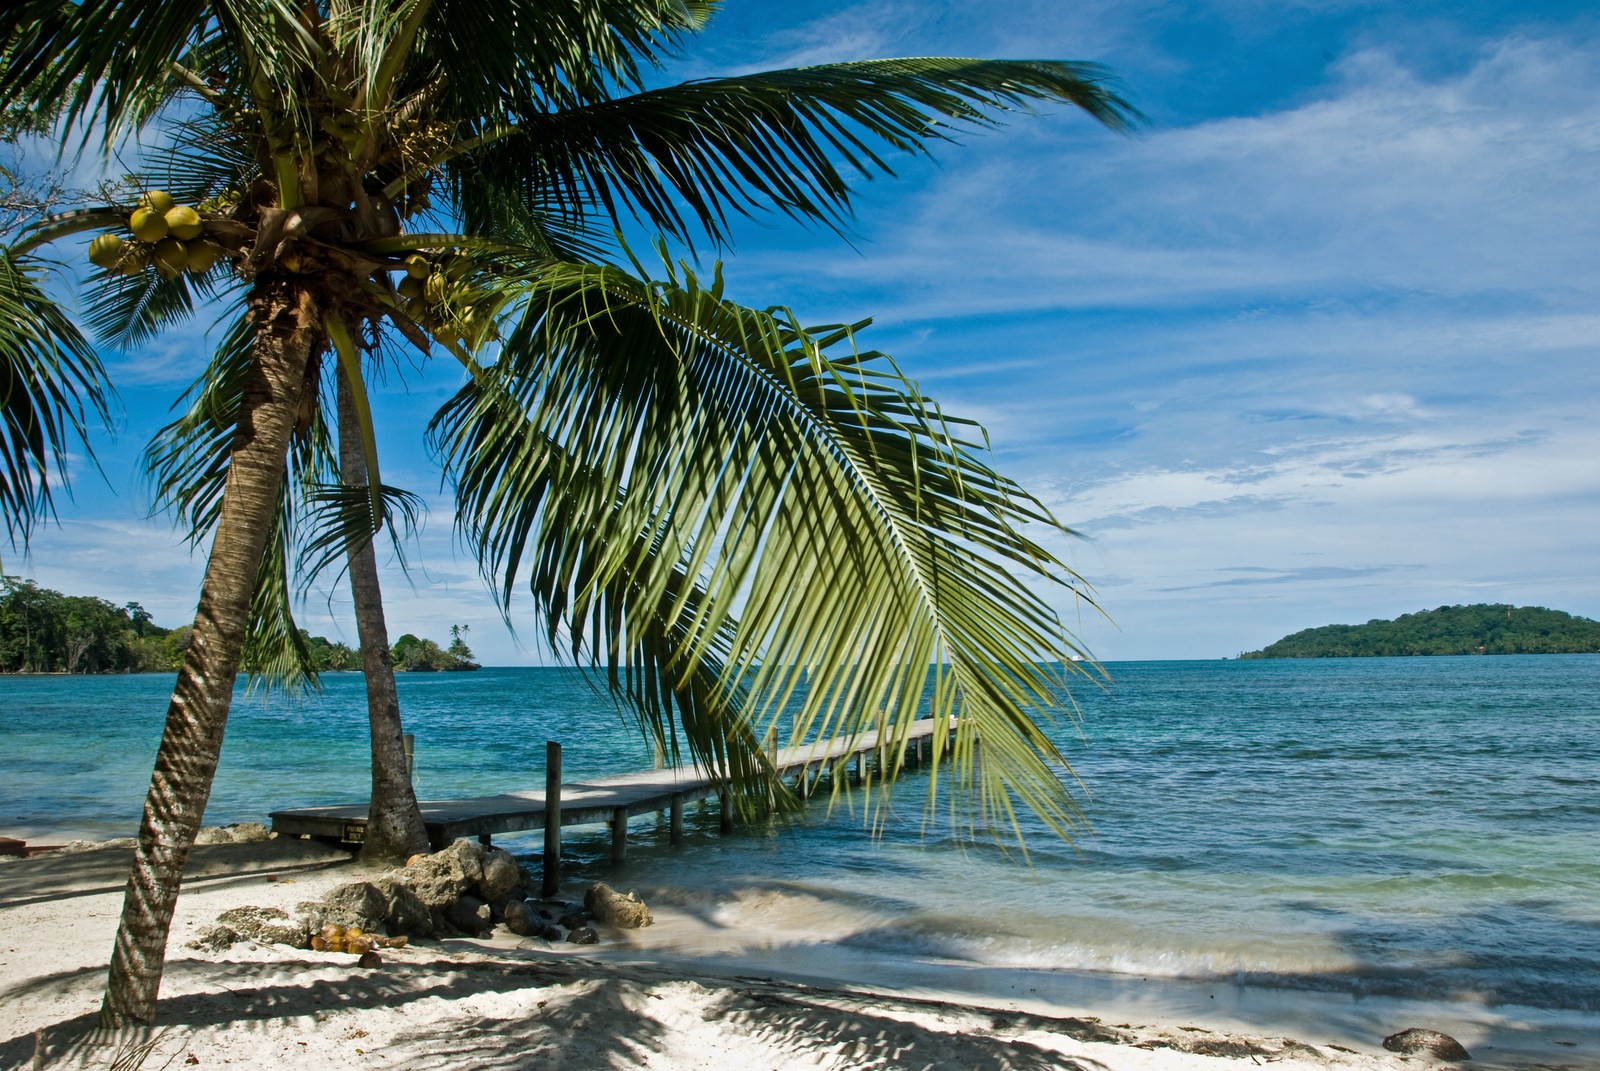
{"points": [[726, 799], [619, 834], [675, 820], [552, 819]]}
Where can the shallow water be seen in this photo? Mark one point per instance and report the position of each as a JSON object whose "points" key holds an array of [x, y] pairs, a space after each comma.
{"points": [[1399, 828]]}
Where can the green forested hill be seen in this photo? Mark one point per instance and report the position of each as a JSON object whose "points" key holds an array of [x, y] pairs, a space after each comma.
{"points": [[44, 631], [1483, 628]]}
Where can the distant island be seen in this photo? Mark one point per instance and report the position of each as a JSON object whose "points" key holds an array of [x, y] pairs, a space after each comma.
{"points": [[44, 631], [1483, 628]]}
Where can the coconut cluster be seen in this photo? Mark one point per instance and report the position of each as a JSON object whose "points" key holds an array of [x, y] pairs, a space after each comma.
{"points": [[439, 298], [165, 234], [336, 938]]}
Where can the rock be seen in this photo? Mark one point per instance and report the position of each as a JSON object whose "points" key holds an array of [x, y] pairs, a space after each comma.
{"points": [[404, 913], [573, 920], [74, 847], [470, 915], [439, 878], [215, 939], [369, 959], [583, 935], [522, 919], [355, 903], [611, 908], [1416, 1039], [551, 933], [242, 833], [266, 925], [500, 874]]}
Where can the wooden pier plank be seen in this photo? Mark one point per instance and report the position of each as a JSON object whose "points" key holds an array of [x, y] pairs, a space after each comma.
{"points": [[593, 802]]}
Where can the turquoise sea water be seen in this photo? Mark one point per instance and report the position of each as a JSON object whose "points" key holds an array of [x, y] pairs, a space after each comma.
{"points": [[1419, 828]]}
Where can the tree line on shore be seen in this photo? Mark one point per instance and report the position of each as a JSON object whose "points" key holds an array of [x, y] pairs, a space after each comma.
{"points": [[45, 631], [1482, 628]]}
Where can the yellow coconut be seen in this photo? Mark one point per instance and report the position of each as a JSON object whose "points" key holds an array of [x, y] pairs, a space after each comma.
{"points": [[147, 225], [158, 201], [434, 289], [183, 222], [135, 258], [203, 256], [417, 266], [410, 287], [105, 250], [172, 257]]}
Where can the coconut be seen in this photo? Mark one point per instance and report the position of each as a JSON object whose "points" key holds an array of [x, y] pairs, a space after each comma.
{"points": [[147, 225], [291, 261], [203, 256], [172, 257], [410, 287], [434, 289], [105, 250], [183, 222], [158, 201], [135, 258], [418, 267]]}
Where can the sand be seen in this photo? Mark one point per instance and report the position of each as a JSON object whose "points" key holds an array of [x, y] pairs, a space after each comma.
{"points": [[508, 1002]]}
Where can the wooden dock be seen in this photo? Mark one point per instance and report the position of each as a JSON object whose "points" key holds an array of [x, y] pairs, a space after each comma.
{"points": [[605, 800]]}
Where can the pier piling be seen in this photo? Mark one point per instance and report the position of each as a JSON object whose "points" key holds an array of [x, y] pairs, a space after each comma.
{"points": [[552, 818], [619, 834]]}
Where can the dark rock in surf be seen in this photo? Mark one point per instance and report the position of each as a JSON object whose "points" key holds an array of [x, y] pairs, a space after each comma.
{"points": [[1431, 1042], [470, 915], [522, 919], [607, 906]]}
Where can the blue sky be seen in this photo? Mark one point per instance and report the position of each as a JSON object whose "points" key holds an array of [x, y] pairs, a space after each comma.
{"points": [[1321, 343]]}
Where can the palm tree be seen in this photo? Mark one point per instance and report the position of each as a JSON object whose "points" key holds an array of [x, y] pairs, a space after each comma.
{"points": [[717, 503]]}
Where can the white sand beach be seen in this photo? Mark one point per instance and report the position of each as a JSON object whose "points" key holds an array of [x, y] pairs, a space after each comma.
{"points": [[669, 997]]}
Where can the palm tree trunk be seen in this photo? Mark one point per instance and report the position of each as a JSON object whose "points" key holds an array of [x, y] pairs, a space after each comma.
{"points": [[394, 822], [192, 740]]}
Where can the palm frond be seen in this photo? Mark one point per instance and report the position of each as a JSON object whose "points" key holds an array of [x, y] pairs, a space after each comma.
{"points": [[52, 387], [336, 517], [186, 461], [706, 485], [788, 140], [542, 54], [105, 59], [130, 310], [276, 654]]}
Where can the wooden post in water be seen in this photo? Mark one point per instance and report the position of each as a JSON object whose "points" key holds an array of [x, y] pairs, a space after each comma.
{"points": [[552, 819], [619, 834], [408, 741], [675, 822], [726, 798]]}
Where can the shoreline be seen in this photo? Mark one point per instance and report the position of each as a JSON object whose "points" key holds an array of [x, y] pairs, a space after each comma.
{"points": [[670, 996]]}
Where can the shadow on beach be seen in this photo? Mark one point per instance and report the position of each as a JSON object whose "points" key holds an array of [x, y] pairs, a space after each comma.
{"points": [[66, 875], [592, 1017]]}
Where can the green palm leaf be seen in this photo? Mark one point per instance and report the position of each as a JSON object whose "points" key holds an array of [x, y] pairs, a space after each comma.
{"points": [[735, 497], [52, 386], [784, 139]]}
